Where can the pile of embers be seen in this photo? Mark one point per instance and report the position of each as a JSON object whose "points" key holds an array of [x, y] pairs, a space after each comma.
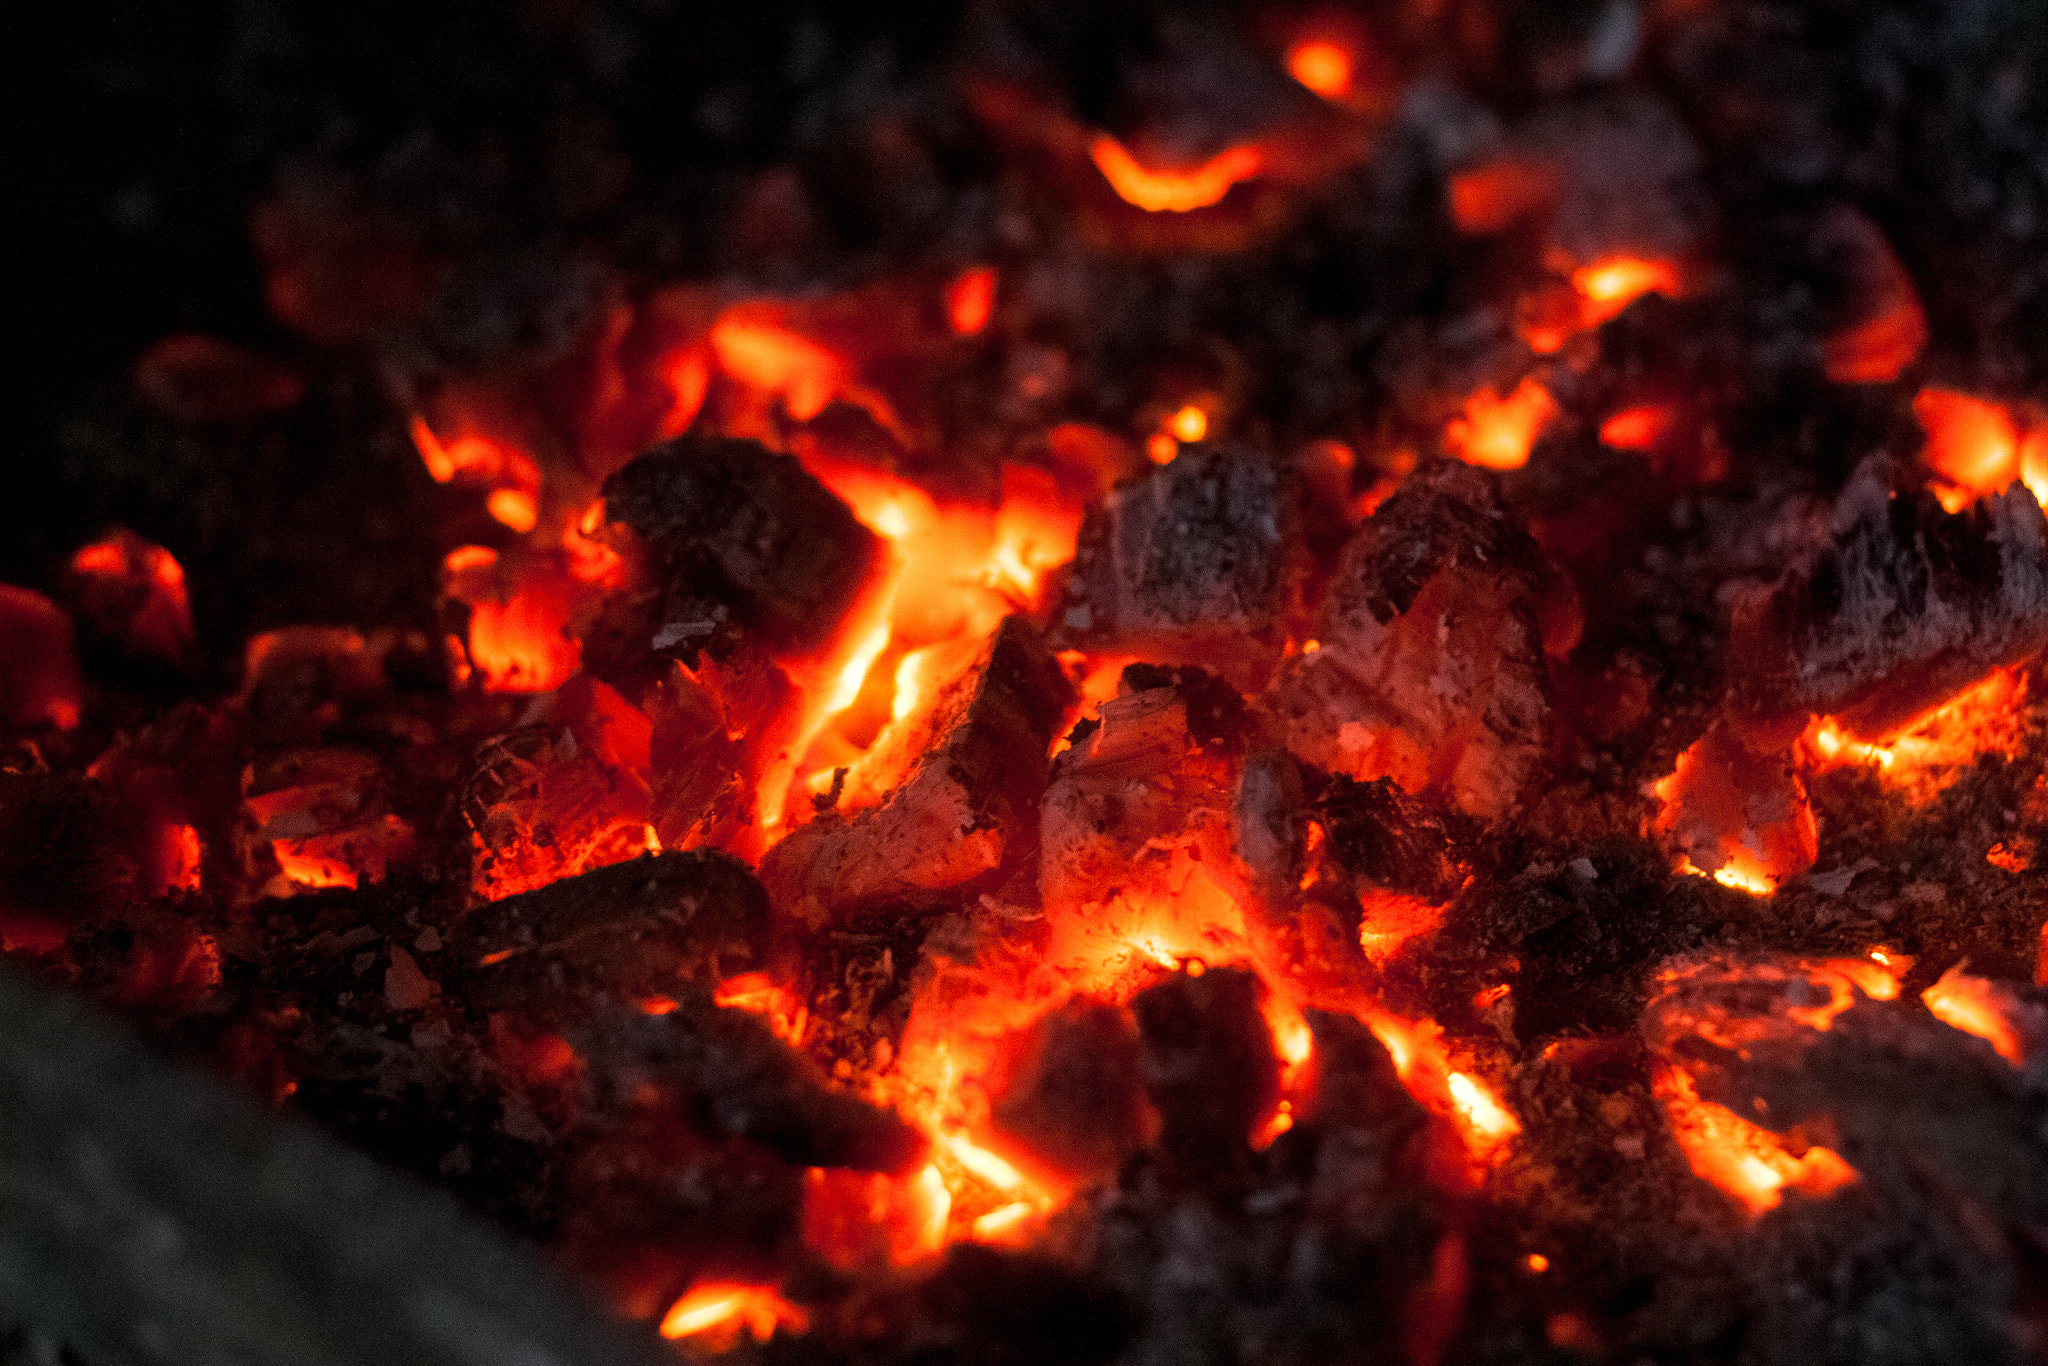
{"points": [[1346, 726]]}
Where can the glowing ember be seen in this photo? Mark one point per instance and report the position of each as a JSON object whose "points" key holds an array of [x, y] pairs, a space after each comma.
{"points": [[1498, 432], [754, 1309], [1971, 444], [1979, 1006], [760, 352], [182, 873], [520, 642], [758, 993], [1931, 752], [1878, 349], [1637, 429], [1610, 286], [1741, 818], [971, 300], [1423, 1064], [1323, 67], [1745, 1161], [1173, 191]]}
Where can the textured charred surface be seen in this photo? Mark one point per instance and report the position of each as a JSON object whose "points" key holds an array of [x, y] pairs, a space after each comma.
{"points": [[1075, 1100], [627, 932], [1208, 1065], [1901, 605], [1196, 563], [1152, 772], [728, 1075], [973, 770], [1381, 837], [734, 524], [1430, 665]]}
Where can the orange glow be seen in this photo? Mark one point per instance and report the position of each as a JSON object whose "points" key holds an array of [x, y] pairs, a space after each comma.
{"points": [[1497, 432], [759, 352], [475, 457], [516, 508], [1637, 429], [1878, 349], [1972, 445], [183, 873], [759, 994], [1979, 1006], [1742, 819], [1929, 753], [1391, 919], [1188, 424], [1743, 1160], [138, 589], [754, 1309], [1537, 1263], [1173, 191], [1323, 67], [686, 377], [1611, 285], [591, 561], [971, 300], [521, 644], [1161, 448], [1491, 197], [321, 866], [1423, 1064]]}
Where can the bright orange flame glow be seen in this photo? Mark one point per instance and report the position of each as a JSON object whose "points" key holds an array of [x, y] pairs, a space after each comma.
{"points": [[1423, 1064], [1740, 818], [522, 644], [313, 864], [475, 457], [971, 300], [1637, 429], [1174, 191], [755, 1309], [516, 508], [759, 994], [1972, 444], [1929, 753], [1188, 424], [1497, 432], [762, 353], [1979, 1006], [1611, 285], [185, 859], [1323, 67], [1743, 1160], [1161, 448]]}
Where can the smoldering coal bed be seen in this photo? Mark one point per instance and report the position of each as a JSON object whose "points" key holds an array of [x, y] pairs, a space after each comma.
{"points": [[1018, 683]]}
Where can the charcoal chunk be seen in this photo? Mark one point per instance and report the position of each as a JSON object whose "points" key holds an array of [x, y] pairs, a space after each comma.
{"points": [[1194, 563], [1899, 607], [731, 1077], [1140, 784], [974, 769], [1428, 667], [1381, 837], [1076, 1101], [731, 521], [1208, 1062], [622, 933]]}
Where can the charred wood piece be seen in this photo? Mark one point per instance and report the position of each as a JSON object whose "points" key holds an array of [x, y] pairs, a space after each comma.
{"points": [[734, 523], [624, 933], [1153, 771], [1194, 563], [1076, 1099], [975, 770], [1428, 667], [1900, 606], [1209, 1065], [731, 1077]]}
